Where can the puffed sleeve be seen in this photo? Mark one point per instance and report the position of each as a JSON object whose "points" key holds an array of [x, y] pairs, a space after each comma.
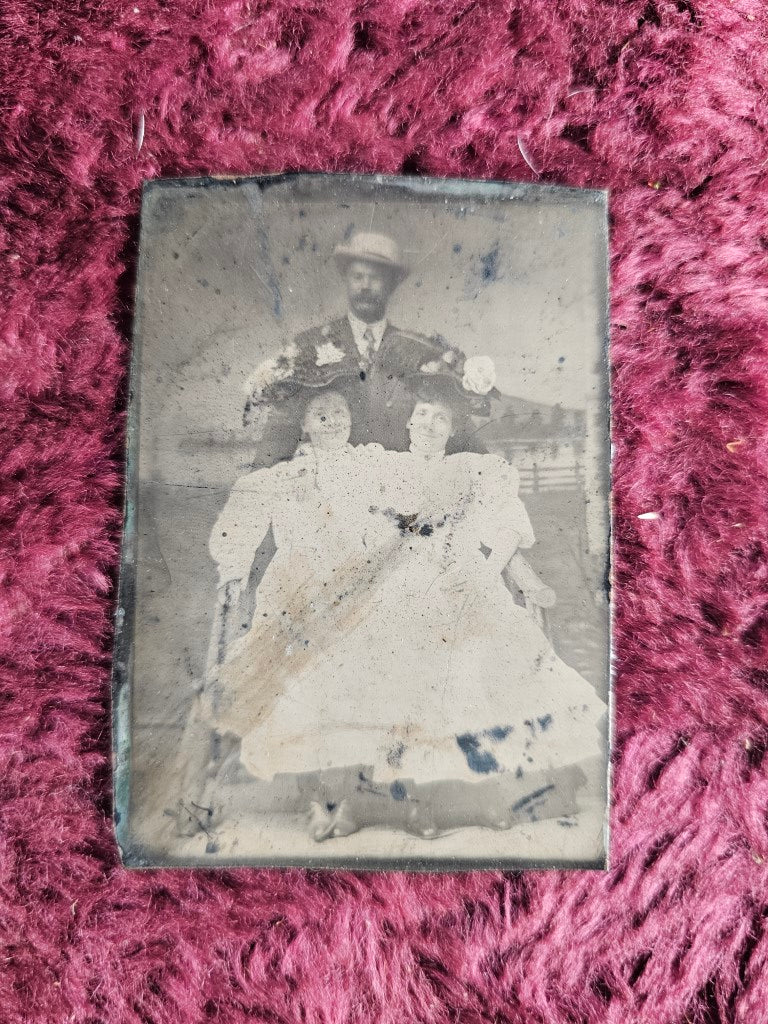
{"points": [[501, 508], [242, 524]]}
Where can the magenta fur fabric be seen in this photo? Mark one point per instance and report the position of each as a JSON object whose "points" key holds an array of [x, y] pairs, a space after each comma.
{"points": [[663, 102]]}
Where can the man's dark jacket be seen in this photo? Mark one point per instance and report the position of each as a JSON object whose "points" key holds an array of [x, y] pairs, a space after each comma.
{"points": [[378, 389]]}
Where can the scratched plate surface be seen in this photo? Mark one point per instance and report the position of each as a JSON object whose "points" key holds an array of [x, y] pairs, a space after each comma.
{"points": [[363, 616]]}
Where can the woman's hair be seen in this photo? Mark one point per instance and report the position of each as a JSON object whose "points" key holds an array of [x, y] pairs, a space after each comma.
{"points": [[324, 393]]}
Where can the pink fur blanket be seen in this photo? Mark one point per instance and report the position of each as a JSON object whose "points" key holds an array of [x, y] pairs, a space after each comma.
{"points": [[662, 101]]}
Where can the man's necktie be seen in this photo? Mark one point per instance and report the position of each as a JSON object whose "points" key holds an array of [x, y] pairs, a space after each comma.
{"points": [[368, 343]]}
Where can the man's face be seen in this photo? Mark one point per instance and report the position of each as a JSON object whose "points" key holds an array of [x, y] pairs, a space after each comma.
{"points": [[368, 289]]}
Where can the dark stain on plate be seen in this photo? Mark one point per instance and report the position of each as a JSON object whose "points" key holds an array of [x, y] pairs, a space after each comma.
{"points": [[526, 801], [481, 761]]}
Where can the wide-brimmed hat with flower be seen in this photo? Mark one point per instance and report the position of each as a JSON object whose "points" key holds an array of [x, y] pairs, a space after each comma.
{"points": [[467, 384], [290, 376], [370, 247]]}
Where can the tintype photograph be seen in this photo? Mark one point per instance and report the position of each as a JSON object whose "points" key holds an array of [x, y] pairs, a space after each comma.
{"points": [[363, 615]]}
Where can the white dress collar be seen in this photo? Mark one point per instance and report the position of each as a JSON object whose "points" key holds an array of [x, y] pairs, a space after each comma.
{"points": [[359, 327]]}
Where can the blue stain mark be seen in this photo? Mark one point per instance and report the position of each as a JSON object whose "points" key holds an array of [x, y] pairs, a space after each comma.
{"points": [[519, 773], [397, 791], [490, 265], [211, 847], [426, 530], [545, 721], [526, 800], [481, 761], [457, 247], [499, 732]]}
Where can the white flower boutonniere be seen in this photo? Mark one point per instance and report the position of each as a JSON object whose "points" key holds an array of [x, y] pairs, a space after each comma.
{"points": [[327, 354], [479, 375], [432, 367]]}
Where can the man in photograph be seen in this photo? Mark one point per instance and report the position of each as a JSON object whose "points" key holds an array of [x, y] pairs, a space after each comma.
{"points": [[361, 351]]}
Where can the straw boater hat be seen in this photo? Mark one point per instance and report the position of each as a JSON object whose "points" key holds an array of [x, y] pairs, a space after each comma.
{"points": [[372, 248]]}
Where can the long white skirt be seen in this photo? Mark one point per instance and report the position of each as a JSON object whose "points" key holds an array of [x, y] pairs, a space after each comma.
{"points": [[429, 686]]}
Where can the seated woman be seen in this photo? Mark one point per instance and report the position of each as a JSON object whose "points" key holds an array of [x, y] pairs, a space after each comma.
{"points": [[440, 680], [317, 507], [504, 706]]}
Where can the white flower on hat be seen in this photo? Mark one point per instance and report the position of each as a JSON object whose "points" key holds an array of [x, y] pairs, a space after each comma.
{"points": [[431, 367], [479, 375], [449, 356], [270, 371], [328, 353]]}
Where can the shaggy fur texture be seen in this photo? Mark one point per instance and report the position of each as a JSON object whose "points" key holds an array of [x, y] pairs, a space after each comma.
{"points": [[661, 100]]}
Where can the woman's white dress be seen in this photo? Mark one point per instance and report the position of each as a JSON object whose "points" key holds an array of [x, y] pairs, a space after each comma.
{"points": [[316, 584], [420, 681]]}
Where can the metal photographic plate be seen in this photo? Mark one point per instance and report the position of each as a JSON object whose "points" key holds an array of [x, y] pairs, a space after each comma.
{"points": [[363, 618]]}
